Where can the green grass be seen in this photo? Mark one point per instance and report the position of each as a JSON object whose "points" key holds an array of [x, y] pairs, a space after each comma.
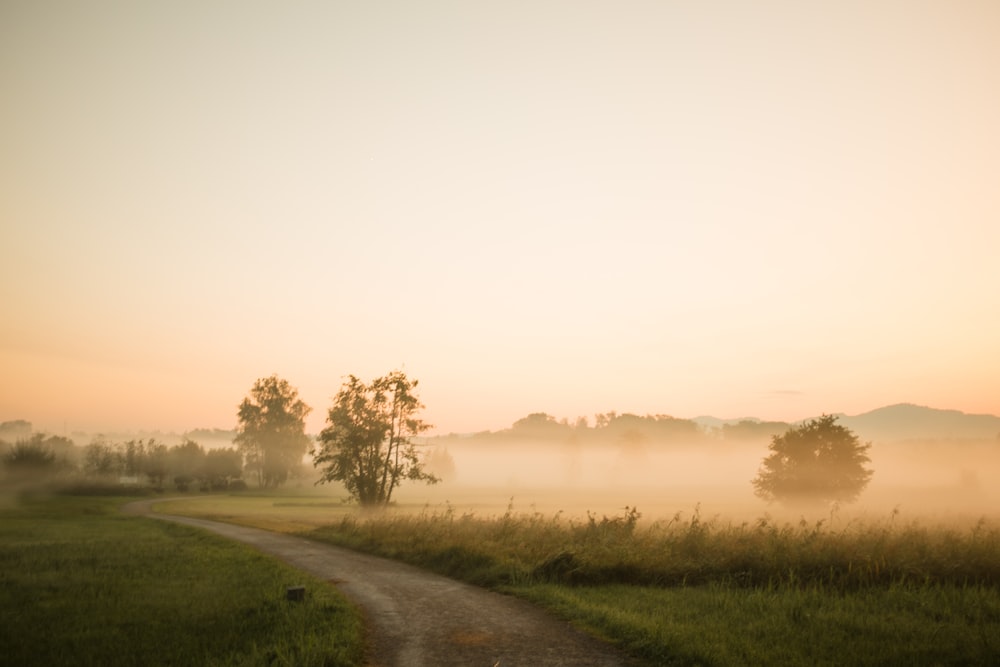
{"points": [[275, 511], [722, 625], [707, 592], [533, 548], [83, 584], [687, 590]]}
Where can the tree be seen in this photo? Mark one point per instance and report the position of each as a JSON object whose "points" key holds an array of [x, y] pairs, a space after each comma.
{"points": [[99, 458], [271, 430], [30, 455], [818, 461], [539, 426], [132, 454], [221, 467], [366, 444], [187, 461], [37, 457], [156, 463]]}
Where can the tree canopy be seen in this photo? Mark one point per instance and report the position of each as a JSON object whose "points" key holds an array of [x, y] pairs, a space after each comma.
{"points": [[367, 444], [271, 430], [818, 461], [30, 456]]}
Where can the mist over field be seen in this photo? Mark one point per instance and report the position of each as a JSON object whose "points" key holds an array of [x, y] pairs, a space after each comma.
{"points": [[658, 464], [926, 479], [953, 472]]}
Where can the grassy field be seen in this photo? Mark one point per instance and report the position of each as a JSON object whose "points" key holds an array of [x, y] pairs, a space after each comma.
{"points": [[722, 625], [689, 590], [283, 513], [83, 584]]}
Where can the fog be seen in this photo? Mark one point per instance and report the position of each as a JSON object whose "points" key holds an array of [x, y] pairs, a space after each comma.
{"points": [[940, 480]]}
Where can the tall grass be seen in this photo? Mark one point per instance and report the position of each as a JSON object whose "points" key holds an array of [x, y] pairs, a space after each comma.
{"points": [[82, 584], [696, 591], [524, 548], [691, 590]]}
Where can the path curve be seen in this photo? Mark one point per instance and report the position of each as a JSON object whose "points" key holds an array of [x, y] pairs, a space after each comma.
{"points": [[418, 618]]}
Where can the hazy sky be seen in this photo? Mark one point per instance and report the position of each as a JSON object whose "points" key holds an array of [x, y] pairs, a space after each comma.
{"points": [[731, 208]]}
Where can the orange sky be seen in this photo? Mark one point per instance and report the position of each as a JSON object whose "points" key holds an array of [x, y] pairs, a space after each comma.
{"points": [[677, 208]]}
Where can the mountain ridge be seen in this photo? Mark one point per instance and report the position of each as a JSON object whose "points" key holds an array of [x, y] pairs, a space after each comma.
{"points": [[908, 421], [899, 421]]}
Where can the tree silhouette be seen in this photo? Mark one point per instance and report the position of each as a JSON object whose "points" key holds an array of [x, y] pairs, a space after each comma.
{"points": [[271, 431], [30, 455], [366, 444], [819, 461]]}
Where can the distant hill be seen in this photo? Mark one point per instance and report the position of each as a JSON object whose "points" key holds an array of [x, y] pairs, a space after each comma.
{"points": [[893, 423], [906, 421]]}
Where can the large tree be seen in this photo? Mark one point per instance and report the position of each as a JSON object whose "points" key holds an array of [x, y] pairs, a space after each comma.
{"points": [[271, 430], [818, 461], [367, 444]]}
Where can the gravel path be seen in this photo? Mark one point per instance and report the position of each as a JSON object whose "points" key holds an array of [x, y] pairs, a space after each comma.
{"points": [[417, 618]]}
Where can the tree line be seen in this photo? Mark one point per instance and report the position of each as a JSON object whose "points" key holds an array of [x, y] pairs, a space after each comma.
{"points": [[627, 427], [367, 446], [135, 461]]}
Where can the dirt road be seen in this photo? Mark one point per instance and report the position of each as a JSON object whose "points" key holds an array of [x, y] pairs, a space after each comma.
{"points": [[417, 618]]}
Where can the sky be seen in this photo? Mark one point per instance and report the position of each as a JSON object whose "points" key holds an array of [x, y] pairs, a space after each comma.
{"points": [[772, 209]]}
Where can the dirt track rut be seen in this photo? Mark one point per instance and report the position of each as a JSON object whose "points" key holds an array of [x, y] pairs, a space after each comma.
{"points": [[418, 618]]}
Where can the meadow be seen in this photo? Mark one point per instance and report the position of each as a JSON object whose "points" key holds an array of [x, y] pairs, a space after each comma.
{"points": [[688, 589], [81, 583]]}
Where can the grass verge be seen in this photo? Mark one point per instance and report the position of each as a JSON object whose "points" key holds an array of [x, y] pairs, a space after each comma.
{"points": [[716, 624], [706, 592], [82, 584], [533, 548], [696, 591]]}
